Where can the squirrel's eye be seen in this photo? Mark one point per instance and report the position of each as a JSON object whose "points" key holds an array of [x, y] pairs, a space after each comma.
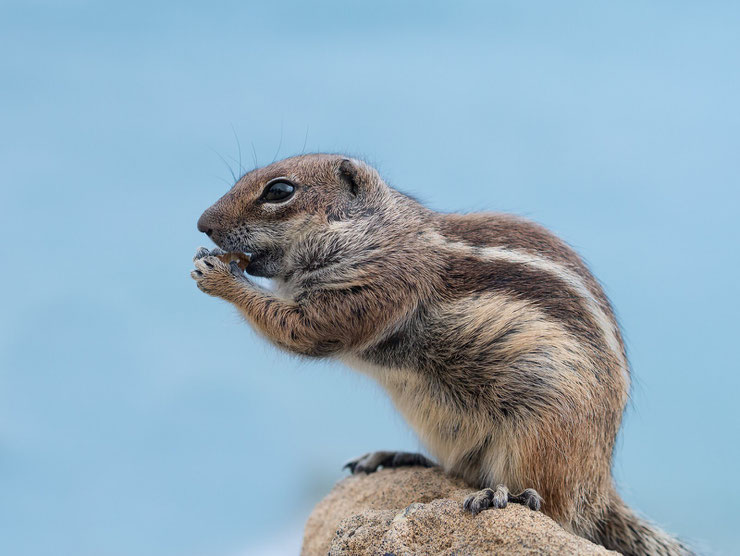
{"points": [[278, 191]]}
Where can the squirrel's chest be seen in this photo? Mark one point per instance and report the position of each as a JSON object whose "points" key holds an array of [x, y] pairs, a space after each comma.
{"points": [[411, 394], [458, 440]]}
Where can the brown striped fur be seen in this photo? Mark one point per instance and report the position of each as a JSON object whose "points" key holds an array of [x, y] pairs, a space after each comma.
{"points": [[489, 333]]}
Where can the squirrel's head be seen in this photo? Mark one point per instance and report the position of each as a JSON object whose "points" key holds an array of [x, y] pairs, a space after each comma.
{"points": [[272, 211]]}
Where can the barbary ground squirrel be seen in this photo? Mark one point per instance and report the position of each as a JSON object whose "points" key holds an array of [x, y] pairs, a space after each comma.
{"points": [[489, 333]]}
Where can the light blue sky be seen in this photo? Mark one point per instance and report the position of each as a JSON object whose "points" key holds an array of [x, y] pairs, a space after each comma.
{"points": [[139, 416]]}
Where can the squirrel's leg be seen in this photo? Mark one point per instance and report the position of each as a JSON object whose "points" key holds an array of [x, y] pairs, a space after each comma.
{"points": [[281, 321], [370, 462], [324, 324], [499, 498]]}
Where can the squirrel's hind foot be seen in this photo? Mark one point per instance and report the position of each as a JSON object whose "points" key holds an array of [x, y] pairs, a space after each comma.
{"points": [[499, 498], [370, 462]]}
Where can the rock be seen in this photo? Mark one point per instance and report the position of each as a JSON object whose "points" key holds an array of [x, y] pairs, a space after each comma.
{"points": [[419, 511]]}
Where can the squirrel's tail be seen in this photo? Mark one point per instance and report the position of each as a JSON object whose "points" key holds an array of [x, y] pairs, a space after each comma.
{"points": [[622, 530]]}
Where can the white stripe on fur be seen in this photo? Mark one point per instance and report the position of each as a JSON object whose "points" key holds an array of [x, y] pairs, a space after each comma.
{"points": [[606, 326]]}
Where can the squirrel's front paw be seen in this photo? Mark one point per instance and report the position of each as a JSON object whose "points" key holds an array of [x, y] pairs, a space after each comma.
{"points": [[213, 276]]}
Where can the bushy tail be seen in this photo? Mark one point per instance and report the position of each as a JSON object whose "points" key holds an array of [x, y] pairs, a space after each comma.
{"points": [[622, 530]]}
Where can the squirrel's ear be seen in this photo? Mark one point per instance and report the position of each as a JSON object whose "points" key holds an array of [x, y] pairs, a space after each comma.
{"points": [[358, 176], [348, 172]]}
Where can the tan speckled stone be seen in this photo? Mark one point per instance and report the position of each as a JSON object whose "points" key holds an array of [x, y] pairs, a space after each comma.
{"points": [[417, 510]]}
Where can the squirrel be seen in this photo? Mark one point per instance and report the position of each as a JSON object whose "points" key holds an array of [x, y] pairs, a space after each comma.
{"points": [[489, 333]]}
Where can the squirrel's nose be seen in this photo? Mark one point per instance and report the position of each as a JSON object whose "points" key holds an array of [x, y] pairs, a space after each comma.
{"points": [[204, 225]]}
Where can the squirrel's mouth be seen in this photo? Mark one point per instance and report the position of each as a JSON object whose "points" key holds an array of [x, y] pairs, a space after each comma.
{"points": [[258, 264]]}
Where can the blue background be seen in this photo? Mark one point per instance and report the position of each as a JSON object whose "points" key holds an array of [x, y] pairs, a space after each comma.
{"points": [[139, 416]]}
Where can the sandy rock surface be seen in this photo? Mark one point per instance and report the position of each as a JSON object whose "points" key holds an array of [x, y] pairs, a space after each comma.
{"points": [[419, 511]]}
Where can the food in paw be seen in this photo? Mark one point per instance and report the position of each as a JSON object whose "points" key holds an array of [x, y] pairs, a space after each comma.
{"points": [[241, 259]]}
